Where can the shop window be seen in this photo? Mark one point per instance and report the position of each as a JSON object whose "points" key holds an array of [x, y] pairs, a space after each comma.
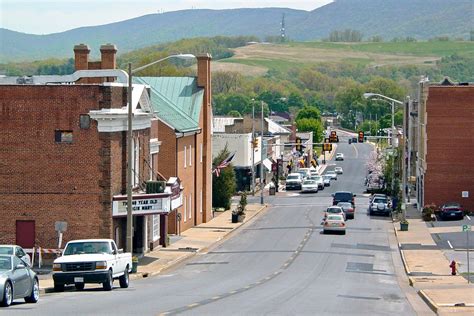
{"points": [[64, 137]]}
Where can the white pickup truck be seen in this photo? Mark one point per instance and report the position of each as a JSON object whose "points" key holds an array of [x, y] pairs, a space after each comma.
{"points": [[91, 261]]}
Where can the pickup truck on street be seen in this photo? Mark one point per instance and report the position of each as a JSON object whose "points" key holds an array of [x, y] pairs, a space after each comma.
{"points": [[91, 261]]}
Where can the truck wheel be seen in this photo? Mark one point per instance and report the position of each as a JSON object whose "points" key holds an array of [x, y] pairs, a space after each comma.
{"points": [[58, 287], [7, 298], [34, 295], [79, 286], [109, 283], [124, 279]]}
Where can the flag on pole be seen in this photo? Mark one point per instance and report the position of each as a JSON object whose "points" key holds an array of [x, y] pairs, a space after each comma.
{"points": [[223, 164]]}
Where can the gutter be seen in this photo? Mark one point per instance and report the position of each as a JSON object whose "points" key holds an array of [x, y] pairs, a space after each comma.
{"points": [[121, 75]]}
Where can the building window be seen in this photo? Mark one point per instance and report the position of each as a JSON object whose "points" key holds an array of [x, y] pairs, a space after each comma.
{"points": [[200, 158], [185, 210], [190, 205], [156, 227], [153, 166], [84, 121], [200, 200], [63, 136], [185, 157], [190, 156]]}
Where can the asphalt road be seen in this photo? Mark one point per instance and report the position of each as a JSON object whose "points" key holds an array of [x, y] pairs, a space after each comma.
{"points": [[279, 263]]}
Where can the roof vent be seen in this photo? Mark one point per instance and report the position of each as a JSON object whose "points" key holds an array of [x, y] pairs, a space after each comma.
{"points": [[24, 80]]}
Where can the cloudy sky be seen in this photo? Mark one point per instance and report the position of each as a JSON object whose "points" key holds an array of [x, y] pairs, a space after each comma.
{"points": [[51, 16]]}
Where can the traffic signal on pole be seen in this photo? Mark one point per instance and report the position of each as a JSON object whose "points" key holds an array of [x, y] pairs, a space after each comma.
{"points": [[327, 147], [361, 136], [298, 144], [254, 143]]}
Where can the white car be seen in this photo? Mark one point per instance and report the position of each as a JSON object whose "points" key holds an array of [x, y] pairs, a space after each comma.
{"points": [[339, 156], [338, 170], [309, 186], [17, 251], [327, 180], [91, 261], [319, 180], [334, 210], [333, 175], [334, 223]]}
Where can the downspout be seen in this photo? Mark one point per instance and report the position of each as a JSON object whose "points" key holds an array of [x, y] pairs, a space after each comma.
{"points": [[195, 176]]}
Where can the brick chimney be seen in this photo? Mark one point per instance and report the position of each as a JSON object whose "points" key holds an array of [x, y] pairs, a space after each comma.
{"points": [[204, 81], [108, 60], [81, 57]]}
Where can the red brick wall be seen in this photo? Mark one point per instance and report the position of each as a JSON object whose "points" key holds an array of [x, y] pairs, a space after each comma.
{"points": [[450, 145], [46, 181]]}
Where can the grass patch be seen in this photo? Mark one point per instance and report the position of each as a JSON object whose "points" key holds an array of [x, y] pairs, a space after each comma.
{"points": [[435, 48], [273, 64]]}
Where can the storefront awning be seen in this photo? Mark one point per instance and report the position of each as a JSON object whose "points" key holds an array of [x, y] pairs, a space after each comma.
{"points": [[268, 164]]}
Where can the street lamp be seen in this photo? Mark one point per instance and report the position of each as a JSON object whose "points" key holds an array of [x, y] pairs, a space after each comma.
{"points": [[129, 234], [381, 97]]}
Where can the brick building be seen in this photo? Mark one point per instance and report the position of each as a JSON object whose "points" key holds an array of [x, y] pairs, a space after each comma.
{"points": [[183, 108], [64, 155], [444, 141]]}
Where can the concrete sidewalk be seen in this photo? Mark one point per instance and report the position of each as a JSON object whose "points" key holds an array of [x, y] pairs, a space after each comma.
{"points": [[190, 242], [428, 269]]}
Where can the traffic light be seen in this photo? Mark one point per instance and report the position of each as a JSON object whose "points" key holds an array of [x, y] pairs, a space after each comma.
{"points": [[298, 144], [254, 143], [327, 147], [361, 137]]}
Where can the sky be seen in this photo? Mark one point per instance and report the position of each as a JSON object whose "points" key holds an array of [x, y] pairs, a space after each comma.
{"points": [[52, 16]]}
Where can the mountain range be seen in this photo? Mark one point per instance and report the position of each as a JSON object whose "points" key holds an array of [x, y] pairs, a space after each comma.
{"points": [[420, 19]]}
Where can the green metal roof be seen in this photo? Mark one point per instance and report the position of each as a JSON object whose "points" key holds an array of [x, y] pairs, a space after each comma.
{"points": [[175, 100]]}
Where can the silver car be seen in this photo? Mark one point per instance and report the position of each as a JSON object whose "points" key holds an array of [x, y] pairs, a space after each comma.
{"points": [[17, 251], [17, 280]]}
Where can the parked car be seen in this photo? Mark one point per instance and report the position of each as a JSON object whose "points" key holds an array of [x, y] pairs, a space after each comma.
{"points": [[338, 170], [339, 156], [91, 261], [333, 175], [293, 181], [380, 205], [17, 280], [305, 172], [319, 180], [334, 210], [309, 186], [451, 210], [17, 251], [348, 209], [326, 180], [343, 196], [334, 223]]}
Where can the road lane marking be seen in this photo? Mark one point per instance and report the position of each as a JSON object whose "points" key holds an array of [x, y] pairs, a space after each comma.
{"points": [[449, 243], [468, 217], [357, 152], [193, 305], [216, 297]]}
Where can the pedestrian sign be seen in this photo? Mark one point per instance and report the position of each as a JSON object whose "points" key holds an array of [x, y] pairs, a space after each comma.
{"points": [[466, 228]]}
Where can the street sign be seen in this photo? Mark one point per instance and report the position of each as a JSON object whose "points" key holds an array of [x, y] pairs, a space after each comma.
{"points": [[60, 226], [466, 228]]}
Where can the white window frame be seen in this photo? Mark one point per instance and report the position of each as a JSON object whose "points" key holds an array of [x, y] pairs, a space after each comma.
{"points": [[200, 200], [190, 156], [185, 211], [184, 156], [200, 159], [190, 205], [135, 161]]}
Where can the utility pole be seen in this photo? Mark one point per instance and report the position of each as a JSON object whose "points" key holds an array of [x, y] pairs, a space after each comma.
{"points": [[282, 29], [253, 148], [261, 162], [393, 147], [409, 136], [129, 235]]}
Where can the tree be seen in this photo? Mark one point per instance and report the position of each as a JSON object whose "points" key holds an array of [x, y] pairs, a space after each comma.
{"points": [[234, 113], [311, 125], [226, 81], [309, 112], [224, 185]]}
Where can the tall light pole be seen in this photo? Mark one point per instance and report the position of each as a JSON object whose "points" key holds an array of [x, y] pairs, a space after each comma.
{"points": [[129, 234], [392, 102], [253, 148], [261, 162]]}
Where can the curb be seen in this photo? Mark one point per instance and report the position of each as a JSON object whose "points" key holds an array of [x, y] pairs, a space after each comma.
{"points": [[428, 301], [404, 261]]}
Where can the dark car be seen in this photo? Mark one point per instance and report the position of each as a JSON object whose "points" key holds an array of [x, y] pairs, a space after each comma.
{"points": [[451, 210], [343, 196]]}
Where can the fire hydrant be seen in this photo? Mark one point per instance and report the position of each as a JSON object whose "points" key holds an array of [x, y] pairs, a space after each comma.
{"points": [[453, 267]]}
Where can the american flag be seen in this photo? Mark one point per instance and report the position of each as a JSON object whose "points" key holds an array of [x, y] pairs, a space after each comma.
{"points": [[223, 164]]}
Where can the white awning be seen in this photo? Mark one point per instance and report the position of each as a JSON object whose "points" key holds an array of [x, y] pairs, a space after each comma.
{"points": [[268, 164]]}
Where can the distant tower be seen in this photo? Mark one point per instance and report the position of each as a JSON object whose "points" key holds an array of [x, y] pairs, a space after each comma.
{"points": [[282, 29]]}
